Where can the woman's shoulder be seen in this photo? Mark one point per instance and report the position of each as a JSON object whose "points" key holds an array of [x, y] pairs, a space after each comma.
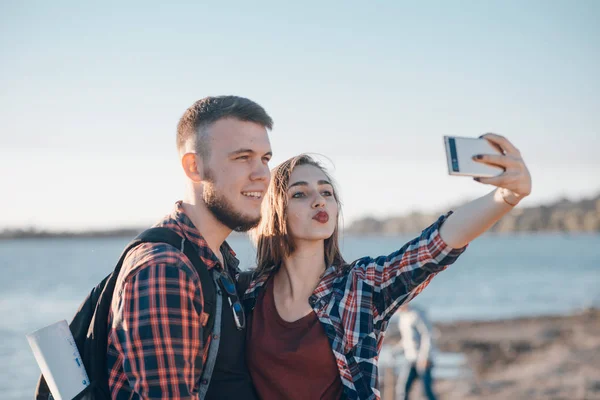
{"points": [[357, 267], [338, 275]]}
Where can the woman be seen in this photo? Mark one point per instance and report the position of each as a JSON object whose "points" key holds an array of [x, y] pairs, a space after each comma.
{"points": [[316, 323]]}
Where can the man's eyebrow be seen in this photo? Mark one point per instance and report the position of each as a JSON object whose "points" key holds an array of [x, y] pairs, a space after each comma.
{"points": [[304, 183], [245, 151], [241, 151]]}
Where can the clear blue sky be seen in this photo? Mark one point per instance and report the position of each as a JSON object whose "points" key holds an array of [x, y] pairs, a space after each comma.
{"points": [[90, 95]]}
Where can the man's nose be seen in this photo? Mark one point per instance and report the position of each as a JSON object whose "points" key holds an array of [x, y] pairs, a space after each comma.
{"points": [[261, 172]]}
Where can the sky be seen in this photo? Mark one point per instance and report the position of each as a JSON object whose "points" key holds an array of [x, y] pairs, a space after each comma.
{"points": [[90, 96]]}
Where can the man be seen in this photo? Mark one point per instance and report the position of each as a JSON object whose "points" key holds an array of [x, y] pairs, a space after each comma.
{"points": [[155, 343], [417, 342]]}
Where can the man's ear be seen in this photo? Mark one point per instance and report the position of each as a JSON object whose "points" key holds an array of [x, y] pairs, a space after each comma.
{"points": [[193, 167]]}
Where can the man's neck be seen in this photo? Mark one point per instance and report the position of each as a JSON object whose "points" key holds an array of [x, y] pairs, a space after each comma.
{"points": [[211, 229]]}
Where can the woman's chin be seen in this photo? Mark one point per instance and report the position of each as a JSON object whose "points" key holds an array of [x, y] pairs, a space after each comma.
{"points": [[315, 236]]}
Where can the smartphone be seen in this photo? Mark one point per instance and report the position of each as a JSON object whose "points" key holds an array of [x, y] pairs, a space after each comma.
{"points": [[460, 152]]}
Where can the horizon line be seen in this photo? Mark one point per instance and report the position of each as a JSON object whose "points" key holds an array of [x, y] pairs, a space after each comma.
{"points": [[129, 228]]}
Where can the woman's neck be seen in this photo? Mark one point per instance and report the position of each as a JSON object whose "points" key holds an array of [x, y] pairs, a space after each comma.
{"points": [[301, 271]]}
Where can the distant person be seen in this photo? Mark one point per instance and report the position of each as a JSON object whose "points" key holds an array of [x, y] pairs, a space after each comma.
{"points": [[417, 344], [156, 322], [317, 323]]}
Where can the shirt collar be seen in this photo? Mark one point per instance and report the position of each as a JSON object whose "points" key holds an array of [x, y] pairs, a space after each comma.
{"points": [[192, 234]]}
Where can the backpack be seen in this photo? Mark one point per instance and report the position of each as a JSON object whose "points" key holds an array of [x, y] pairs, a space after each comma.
{"points": [[90, 324]]}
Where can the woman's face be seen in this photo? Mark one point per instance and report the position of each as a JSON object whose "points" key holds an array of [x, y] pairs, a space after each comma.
{"points": [[312, 209]]}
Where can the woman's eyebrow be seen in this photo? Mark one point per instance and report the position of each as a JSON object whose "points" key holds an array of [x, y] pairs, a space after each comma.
{"points": [[304, 183]]}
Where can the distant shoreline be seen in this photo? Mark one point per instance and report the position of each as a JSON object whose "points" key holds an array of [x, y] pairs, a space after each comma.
{"points": [[43, 234], [563, 216], [25, 234], [132, 233]]}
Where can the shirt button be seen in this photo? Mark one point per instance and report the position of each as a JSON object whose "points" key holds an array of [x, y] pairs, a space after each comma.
{"points": [[215, 337], [219, 292], [204, 381]]}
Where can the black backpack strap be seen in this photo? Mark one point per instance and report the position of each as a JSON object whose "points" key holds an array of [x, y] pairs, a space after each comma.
{"points": [[243, 282], [212, 304]]}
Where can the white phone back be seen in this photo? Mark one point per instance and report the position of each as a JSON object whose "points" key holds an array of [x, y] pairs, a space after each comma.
{"points": [[466, 148]]}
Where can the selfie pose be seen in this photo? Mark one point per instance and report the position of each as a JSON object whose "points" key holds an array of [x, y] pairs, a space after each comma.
{"points": [[316, 323]]}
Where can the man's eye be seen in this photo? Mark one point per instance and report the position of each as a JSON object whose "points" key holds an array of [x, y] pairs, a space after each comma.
{"points": [[266, 159], [243, 158]]}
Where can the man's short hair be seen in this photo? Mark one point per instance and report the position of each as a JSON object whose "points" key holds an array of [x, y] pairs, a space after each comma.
{"points": [[194, 123]]}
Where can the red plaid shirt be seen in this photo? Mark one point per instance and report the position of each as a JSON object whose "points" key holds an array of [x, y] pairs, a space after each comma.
{"points": [[155, 345]]}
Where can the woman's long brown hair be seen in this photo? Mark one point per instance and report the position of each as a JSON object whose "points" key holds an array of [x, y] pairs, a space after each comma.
{"points": [[272, 236]]}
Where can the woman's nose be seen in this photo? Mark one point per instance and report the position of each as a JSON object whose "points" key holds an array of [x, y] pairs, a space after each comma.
{"points": [[319, 201]]}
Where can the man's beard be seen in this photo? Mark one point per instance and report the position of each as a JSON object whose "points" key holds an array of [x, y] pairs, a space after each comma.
{"points": [[223, 210]]}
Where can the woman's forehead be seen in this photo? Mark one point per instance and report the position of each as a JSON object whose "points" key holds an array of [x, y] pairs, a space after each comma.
{"points": [[307, 173]]}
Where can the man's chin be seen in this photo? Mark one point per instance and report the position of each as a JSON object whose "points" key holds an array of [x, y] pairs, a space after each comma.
{"points": [[247, 224], [235, 219]]}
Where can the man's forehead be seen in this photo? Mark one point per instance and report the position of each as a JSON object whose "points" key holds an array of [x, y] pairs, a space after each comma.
{"points": [[231, 134]]}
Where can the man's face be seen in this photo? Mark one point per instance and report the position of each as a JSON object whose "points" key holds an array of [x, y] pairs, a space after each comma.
{"points": [[236, 175]]}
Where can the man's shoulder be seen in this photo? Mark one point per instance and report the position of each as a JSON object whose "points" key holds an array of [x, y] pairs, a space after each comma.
{"points": [[156, 255]]}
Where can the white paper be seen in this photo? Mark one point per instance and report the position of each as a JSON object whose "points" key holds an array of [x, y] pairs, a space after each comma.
{"points": [[58, 357]]}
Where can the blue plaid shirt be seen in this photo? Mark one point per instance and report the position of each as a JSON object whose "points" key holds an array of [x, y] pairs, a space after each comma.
{"points": [[355, 303]]}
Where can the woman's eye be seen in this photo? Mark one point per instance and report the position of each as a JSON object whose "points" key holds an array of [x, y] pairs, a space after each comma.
{"points": [[297, 195], [327, 193]]}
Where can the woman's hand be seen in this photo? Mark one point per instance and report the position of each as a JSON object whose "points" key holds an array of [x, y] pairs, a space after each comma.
{"points": [[477, 216], [515, 181]]}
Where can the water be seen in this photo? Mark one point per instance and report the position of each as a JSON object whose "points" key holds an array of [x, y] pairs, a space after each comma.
{"points": [[499, 276]]}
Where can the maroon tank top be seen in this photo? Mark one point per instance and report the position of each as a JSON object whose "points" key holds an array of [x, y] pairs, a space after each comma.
{"points": [[289, 360]]}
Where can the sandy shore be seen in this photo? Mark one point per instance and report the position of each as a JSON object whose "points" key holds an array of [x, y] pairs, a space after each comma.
{"points": [[527, 358]]}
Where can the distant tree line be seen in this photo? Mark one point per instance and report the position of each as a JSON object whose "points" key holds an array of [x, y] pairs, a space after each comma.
{"points": [[33, 233], [561, 216]]}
